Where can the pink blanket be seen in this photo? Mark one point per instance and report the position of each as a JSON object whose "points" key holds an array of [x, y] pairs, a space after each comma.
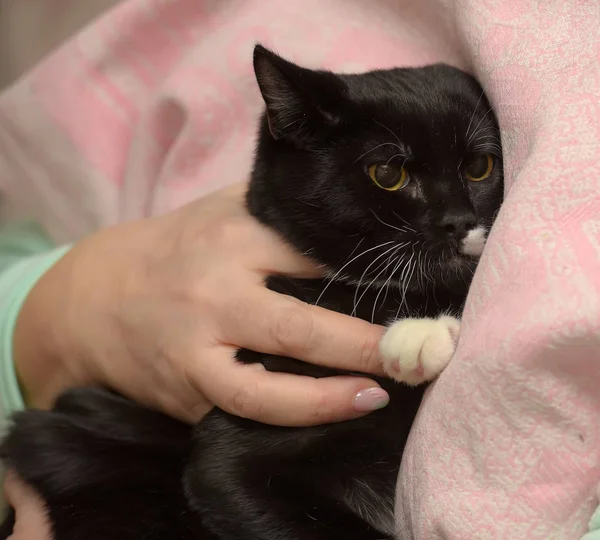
{"points": [[156, 104]]}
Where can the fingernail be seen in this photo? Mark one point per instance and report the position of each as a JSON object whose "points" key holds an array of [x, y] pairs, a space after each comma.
{"points": [[371, 399]]}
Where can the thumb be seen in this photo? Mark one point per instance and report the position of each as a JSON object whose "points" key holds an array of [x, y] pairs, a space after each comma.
{"points": [[30, 511]]}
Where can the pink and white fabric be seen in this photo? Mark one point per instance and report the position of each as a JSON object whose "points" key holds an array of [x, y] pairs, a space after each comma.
{"points": [[156, 104]]}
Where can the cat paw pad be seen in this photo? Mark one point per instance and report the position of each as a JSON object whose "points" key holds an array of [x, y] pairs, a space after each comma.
{"points": [[418, 350]]}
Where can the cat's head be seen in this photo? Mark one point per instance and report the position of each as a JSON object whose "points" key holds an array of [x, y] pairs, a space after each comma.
{"points": [[384, 177]]}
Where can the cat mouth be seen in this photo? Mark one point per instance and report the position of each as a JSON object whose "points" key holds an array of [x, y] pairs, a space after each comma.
{"points": [[463, 258]]}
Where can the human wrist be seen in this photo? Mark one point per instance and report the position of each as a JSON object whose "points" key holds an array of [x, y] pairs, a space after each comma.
{"points": [[73, 313], [38, 350]]}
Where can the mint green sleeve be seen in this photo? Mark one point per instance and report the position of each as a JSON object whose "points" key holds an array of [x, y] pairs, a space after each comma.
{"points": [[25, 255], [594, 532]]}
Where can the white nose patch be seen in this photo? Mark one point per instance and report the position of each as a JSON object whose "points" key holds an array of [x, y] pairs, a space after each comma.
{"points": [[474, 242]]}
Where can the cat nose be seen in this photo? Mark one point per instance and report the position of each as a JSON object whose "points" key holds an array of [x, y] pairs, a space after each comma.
{"points": [[457, 224]]}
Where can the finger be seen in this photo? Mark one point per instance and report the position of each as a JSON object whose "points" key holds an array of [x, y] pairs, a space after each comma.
{"points": [[237, 191], [15, 491], [276, 324], [268, 253], [31, 515], [249, 391], [265, 250]]}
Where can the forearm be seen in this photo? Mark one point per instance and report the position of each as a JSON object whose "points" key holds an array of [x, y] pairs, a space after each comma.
{"points": [[25, 255]]}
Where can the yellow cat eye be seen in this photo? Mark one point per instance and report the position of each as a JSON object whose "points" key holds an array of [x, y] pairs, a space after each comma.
{"points": [[388, 176], [479, 167]]}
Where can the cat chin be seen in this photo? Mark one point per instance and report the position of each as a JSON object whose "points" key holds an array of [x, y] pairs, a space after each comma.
{"points": [[458, 268]]}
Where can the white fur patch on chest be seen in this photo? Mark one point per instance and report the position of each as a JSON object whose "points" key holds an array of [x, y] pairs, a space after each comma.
{"points": [[377, 509], [474, 242]]}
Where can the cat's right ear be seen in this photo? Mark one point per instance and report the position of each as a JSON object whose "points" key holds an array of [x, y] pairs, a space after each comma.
{"points": [[301, 103]]}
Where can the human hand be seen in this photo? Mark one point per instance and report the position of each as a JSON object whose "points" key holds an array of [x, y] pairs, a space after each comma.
{"points": [[30, 512], [157, 308]]}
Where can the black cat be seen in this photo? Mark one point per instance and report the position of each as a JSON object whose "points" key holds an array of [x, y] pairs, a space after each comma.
{"points": [[391, 179]]}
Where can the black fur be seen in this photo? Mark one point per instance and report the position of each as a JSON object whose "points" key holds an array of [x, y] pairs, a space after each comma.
{"points": [[110, 468]]}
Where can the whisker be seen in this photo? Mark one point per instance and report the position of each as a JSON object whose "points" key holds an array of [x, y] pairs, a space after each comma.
{"points": [[420, 277], [402, 290], [390, 263], [389, 131], [405, 222], [477, 127], [473, 114], [405, 272], [357, 246], [306, 202], [371, 283], [386, 287], [429, 266], [400, 229], [367, 288], [336, 275], [373, 150], [382, 264], [387, 283], [408, 282], [492, 148], [488, 136], [394, 157]]}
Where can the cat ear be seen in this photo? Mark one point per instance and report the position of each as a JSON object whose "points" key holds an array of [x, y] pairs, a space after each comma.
{"points": [[301, 103]]}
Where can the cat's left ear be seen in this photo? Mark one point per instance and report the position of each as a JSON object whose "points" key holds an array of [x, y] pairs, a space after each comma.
{"points": [[301, 103]]}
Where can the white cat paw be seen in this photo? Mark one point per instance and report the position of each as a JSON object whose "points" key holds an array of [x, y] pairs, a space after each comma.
{"points": [[418, 350]]}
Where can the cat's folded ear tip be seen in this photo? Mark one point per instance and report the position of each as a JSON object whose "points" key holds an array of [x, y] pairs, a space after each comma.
{"points": [[265, 61], [260, 51], [261, 56], [265, 54]]}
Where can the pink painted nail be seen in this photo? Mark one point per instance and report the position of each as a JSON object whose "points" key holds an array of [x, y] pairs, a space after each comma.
{"points": [[371, 399]]}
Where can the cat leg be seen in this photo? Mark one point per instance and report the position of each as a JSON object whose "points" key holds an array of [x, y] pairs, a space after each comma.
{"points": [[6, 529], [417, 350], [105, 467], [248, 481]]}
